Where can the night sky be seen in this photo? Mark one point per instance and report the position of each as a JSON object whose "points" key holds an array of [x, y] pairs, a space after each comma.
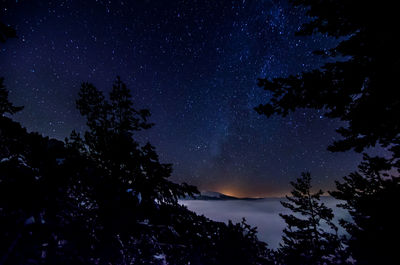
{"points": [[195, 65]]}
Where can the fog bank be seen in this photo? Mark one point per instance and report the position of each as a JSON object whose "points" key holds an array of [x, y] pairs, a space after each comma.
{"points": [[263, 213]]}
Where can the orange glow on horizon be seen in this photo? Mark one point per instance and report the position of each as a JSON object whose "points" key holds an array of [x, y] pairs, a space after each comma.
{"points": [[245, 194], [228, 192]]}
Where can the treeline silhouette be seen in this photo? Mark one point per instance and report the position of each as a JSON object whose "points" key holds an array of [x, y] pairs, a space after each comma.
{"points": [[359, 86], [103, 198]]}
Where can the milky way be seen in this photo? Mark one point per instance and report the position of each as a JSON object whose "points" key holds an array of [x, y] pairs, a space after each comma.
{"points": [[195, 65]]}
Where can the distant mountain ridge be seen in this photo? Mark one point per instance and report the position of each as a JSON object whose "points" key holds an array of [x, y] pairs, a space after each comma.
{"points": [[217, 196]]}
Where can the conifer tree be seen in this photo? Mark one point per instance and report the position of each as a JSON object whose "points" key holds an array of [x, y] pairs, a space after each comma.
{"points": [[111, 144], [372, 197], [359, 83], [305, 240], [127, 182], [359, 86], [5, 105]]}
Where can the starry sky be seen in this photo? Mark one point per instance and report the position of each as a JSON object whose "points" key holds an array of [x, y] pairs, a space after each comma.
{"points": [[195, 65]]}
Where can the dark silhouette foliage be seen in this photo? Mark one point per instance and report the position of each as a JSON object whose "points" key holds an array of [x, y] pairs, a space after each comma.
{"points": [[305, 239], [6, 32], [37, 213], [360, 86], [5, 105], [110, 144], [103, 198], [371, 196]]}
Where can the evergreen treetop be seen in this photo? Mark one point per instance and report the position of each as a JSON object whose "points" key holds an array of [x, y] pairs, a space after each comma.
{"points": [[110, 142], [371, 197], [306, 240]]}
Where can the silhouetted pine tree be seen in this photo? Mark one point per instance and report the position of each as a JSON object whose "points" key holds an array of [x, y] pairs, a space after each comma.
{"points": [[137, 217], [305, 240], [40, 220], [359, 84], [110, 143], [130, 183], [71, 204], [371, 196], [5, 105], [102, 198]]}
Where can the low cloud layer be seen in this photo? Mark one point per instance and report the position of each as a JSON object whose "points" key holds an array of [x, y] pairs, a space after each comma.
{"points": [[264, 214]]}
